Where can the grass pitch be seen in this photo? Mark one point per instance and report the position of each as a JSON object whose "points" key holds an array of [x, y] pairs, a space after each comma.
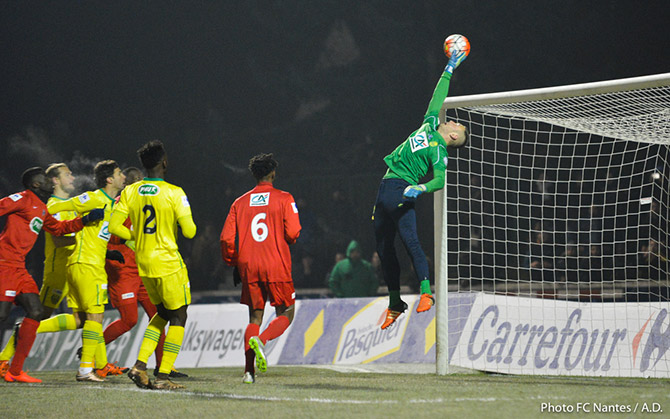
{"points": [[324, 392]]}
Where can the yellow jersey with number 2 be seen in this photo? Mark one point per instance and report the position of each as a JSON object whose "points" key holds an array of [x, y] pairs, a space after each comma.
{"points": [[155, 207]]}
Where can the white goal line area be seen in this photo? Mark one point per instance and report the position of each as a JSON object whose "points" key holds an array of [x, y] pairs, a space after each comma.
{"points": [[561, 194]]}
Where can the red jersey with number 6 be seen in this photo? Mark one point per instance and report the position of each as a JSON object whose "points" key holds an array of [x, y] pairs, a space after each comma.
{"points": [[264, 221]]}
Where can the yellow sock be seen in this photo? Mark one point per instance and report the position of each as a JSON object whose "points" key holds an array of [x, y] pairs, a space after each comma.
{"points": [[173, 340], [90, 338], [101, 353], [151, 336], [57, 324], [9, 350]]}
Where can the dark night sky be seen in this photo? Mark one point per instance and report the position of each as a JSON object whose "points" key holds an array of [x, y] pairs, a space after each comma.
{"points": [[329, 86]]}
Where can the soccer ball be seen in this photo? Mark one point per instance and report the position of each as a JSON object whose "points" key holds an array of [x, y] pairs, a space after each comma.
{"points": [[456, 43]]}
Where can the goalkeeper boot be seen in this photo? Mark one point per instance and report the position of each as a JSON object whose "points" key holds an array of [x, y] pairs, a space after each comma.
{"points": [[259, 349], [425, 303], [140, 378], [166, 384], [4, 367], [392, 313], [20, 378], [248, 378]]}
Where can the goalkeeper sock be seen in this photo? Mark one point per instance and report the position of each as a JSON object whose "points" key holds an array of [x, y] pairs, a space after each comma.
{"points": [[58, 324], [151, 337], [394, 298], [173, 340], [425, 287]]}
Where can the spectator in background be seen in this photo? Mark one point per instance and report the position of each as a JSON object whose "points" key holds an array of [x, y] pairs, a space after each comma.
{"points": [[353, 276]]}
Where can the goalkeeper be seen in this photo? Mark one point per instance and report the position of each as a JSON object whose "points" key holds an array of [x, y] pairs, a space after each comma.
{"points": [[394, 211]]}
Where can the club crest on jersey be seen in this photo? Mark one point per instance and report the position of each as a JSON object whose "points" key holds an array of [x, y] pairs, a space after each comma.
{"points": [[148, 190], [259, 199], [36, 225], [418, 142]]}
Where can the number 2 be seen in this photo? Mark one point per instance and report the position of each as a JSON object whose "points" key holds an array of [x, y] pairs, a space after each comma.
{"points": [[150, 218]]}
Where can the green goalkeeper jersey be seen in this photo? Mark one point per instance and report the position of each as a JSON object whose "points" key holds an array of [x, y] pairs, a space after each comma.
{"points": [[424, 148]]}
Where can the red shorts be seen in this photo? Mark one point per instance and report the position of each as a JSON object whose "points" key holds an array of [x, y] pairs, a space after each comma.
{"points": [[256, 294], [127, 289], [15, 281]]}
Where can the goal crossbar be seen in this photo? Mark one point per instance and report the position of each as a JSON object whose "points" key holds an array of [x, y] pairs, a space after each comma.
{"points": [[558, 92]]}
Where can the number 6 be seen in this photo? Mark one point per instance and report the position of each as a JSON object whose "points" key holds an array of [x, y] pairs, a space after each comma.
{"points": [[259, 230]]}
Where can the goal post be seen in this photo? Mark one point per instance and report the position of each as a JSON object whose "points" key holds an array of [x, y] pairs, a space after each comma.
{"points": [[551, 234]]}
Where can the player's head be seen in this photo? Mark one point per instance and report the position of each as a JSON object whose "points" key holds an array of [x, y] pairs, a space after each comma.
{"points": [[455, 135], [36, 180], [107, 172], [132, 174], [263, 167], [62, 177], [152, 154]]}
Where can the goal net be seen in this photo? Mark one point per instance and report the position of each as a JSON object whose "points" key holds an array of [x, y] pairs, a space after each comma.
{"points": [[552, 232]]}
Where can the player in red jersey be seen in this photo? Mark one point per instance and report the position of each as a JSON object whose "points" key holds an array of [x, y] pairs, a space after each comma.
{"points": [[27, 215], [264, 221]]}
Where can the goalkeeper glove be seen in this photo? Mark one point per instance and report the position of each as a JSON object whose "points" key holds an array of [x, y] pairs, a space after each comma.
{"points": [[94, 215], [237, 279], [413, 191], [115, 255], [454, 61]]}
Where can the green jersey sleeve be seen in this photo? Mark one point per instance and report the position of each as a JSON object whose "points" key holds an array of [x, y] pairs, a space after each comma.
{"points": [[439, 94]]}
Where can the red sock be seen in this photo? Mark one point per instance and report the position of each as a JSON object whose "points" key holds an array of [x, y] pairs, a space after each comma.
{"points": [[27, 333], [125, 323], [275, 329], [150, 309], [249, 355]]}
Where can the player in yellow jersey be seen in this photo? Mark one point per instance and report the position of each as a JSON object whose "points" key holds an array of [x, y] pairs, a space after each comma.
{"points": [[155, 207], [86, 276], [56, 251]]}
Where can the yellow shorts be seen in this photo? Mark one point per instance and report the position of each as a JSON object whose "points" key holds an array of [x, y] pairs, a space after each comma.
{"points": [[54, 286], [88, 288], [173, 291]]}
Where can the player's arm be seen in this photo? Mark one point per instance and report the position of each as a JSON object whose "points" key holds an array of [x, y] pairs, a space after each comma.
{"points": [[183, 214], [188, 228], [439, 170], [118, 240], [116, 224], [227, 238], [442, 90], [59, 228], [11, 204], [291, 221]]}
